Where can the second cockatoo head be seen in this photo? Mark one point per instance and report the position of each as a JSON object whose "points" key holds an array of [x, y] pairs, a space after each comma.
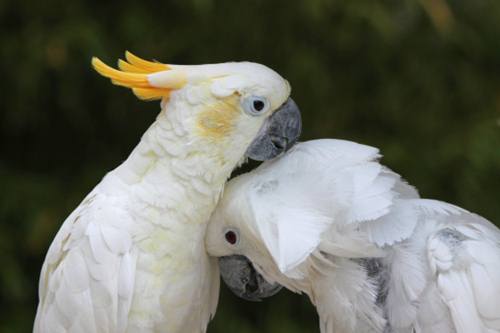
{"points": [[271, 220], [240, 109]]}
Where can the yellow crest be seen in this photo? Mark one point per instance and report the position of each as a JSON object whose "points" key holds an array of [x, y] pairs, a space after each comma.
{"points": [[148, 80]]}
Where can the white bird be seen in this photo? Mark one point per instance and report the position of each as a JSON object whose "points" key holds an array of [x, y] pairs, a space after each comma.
{"points": [[328, 220], [131, 256]]}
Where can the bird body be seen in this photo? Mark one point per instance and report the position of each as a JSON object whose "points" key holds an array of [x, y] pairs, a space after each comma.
{"points": [[134, 221], [328, 220], [131, 257]]}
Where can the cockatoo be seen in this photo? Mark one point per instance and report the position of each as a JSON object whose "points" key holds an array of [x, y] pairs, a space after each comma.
{"points": [[131, 257], [328, 220]]}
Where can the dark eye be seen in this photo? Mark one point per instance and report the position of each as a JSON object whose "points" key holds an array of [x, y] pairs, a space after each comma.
{"points": [[231, 237], [255, 105], [258, 105]]}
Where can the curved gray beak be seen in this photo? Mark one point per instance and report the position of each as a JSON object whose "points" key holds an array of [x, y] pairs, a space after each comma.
{"points": [[243, 280], [278, 134]]}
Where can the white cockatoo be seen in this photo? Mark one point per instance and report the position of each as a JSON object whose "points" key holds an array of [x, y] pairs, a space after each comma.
{"points": [[327, 219], [131, 257]]}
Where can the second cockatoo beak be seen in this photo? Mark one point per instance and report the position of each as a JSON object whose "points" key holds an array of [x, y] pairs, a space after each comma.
{"points": [[244, 281]]}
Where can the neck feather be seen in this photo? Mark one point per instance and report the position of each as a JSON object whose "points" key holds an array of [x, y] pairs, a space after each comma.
{"points": [[169, 162]]}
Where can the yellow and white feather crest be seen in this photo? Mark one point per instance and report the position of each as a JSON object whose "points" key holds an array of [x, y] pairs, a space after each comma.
{"points": [[148, 80]]}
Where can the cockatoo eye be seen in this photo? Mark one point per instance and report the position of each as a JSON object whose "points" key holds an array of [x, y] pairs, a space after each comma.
{"points": [[255, 105], [231, 236], [258, 105]]}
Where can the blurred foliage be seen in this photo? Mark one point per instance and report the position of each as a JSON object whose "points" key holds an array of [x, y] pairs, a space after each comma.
{"points": [[418, 78]]}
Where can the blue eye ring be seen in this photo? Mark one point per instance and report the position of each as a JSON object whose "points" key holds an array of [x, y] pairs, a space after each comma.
{"points": [[255, 105]]}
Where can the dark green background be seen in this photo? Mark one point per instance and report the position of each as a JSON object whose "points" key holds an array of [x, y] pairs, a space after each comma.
{"points": [[419, 79]]}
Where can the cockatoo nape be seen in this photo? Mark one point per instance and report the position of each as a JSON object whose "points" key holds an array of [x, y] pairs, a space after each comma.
{"points": [[131, 257], [327, 219]]}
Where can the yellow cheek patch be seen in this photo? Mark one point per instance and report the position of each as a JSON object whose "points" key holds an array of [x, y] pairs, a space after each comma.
{"points": [[217, 120], [135, 73]]}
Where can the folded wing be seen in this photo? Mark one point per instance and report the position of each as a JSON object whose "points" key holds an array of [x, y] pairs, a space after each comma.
{"points": [[87, 279]]}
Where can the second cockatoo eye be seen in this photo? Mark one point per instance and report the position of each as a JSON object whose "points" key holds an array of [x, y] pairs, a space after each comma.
{"points": [[255, 105], [231, 236]]}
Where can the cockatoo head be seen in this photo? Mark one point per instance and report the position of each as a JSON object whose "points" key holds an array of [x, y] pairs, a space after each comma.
{"points": [[237, 109], [275, 215], [232, 236], [253, 229], [317, 198]]}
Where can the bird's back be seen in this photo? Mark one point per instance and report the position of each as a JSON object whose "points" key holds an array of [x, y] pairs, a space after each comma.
{"points": [[446, 276]]}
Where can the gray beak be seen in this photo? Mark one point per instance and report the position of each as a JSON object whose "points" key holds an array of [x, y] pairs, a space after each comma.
{"points": [[243, 280], [278, 134]]}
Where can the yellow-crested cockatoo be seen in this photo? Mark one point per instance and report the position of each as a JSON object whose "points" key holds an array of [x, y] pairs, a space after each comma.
{"points": [[131, 257], [327, 219]]}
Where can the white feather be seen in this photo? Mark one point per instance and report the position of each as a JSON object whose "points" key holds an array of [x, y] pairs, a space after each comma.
{"points": [[467, 267], [309, 215], [291, 234], [131, 257]]}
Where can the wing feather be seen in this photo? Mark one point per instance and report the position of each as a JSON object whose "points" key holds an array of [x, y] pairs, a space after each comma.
{"points": [[318, 185], [86, 283], [466, 262]]}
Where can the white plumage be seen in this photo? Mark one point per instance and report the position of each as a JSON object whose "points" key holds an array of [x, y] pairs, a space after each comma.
{"points": [[131, 257], [328, 220]]}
